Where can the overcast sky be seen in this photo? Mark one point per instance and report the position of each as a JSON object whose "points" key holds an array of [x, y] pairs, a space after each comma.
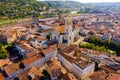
{"points": [[87, 1], [90, 1]]}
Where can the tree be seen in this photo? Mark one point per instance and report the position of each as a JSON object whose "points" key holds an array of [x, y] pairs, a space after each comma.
{"points": [[3, 51], [46, 74], [20, 8], [108, 44], [21, 65], [96, 47], [48, 37]]}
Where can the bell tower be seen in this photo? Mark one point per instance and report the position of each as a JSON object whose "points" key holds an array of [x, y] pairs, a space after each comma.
{"points": [[68, 30], [59, 15], [68, 24]]}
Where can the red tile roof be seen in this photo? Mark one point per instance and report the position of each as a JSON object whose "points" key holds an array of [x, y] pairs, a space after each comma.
{"points": [[10, 69], [1, 76], [31, 60], [49, 49], [113, 76], [4, 61], [40, 38], [99, 75]]}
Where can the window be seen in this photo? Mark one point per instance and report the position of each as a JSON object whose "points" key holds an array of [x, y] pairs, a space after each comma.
{"points": [[67, 30], [55, 37]]}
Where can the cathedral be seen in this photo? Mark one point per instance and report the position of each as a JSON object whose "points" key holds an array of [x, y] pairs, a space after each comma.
{"points": [[64, 30]]}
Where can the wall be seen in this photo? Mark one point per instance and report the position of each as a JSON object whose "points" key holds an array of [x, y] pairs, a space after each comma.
{"points": [[65, 63], [77, 71], [89, 69]]}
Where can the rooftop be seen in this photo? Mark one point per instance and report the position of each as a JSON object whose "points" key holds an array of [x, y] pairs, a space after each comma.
{"points": [[107, 68], [99, 75], [97, 53], [70, 49], [60, 46], [68, 76], [53, 64], [113, 76], [1, 76], [40, 38], [32, 53], [115, 66], [48, 49], [4, 62], [31, 71], [82, 62], [31, 60], [69, 58], [25, 46], [46, 30], [9, 69]]}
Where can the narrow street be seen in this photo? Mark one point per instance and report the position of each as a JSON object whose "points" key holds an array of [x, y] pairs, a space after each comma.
{"points": [[81, 39]]}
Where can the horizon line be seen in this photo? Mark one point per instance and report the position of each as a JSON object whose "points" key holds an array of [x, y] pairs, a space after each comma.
{"points": [[83, 2]]}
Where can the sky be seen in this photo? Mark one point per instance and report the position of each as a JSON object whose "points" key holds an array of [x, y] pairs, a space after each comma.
{"points": [[89, 1]]}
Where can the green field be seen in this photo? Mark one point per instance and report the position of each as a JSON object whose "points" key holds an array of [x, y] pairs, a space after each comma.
{"points": [[5, 21]]}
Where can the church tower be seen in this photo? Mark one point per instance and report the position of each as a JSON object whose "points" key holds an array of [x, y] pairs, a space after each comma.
{"points": [[68, 24], [69, 30], [60, 17]]}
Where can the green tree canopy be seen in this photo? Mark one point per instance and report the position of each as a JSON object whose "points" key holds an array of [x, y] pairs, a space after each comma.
{"points": [[3, 51], [108, 44]]}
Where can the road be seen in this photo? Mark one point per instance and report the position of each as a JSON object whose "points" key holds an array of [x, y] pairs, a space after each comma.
{"points": [[80, 40]]}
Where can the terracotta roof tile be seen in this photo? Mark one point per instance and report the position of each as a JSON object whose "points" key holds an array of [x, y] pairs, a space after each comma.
{"points": [[1, 76], [31, 60], [113, 76], [4, 61], [11, 68], [24, 46], [32, 53], [49, 49], [99, 75], [106, 68], [67, 77], [40, 38], [46, 30], [53, 64]]}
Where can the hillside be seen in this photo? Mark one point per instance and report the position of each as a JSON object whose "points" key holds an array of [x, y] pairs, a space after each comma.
{"points": [[65, 4], [107, 4], [32, 8], [20, 8]]}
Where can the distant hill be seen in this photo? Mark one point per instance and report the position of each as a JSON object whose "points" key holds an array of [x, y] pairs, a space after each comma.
{"points": [[108, 4], [21, 8], [32, 8], [65, 4], [26, 8]]}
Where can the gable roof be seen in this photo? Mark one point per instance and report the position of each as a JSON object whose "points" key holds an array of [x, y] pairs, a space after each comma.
{"points": [[99, 75], [30, 60], [48, 50], [4, 61], [10, 69]]}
